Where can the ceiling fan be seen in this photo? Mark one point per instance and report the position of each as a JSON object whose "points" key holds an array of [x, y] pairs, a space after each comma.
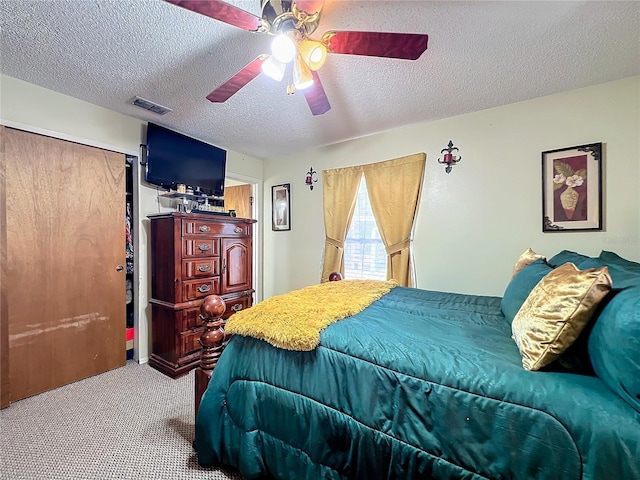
{"points": [[293, 52]]}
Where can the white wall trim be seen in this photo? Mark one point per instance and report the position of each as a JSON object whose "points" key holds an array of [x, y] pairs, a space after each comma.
{"points": [[243, 178], [256, 191], [64, 136]]}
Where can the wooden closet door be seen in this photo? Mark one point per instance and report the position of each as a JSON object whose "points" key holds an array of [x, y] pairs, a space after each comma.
{"points": [[4, 315], [238, 198], [65, 229]]}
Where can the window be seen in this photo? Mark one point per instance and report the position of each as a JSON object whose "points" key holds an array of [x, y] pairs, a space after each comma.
{"points": [[364, 254], [397, 185]]}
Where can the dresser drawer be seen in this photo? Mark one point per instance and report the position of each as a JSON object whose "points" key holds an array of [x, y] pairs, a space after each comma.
{"points": [[200, 247], [235, 305], [205, 267], [188, 342], [194, 289], [205, 229], [189, 320]]}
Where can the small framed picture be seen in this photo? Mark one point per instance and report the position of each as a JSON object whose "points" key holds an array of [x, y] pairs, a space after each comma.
{"points": [[281, 207], [572, 188]]}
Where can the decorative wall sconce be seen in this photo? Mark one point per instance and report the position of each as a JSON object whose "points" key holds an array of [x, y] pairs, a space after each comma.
{"points": [[449, 159], [311, 178]]}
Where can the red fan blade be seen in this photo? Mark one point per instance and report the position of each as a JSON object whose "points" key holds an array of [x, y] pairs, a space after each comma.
{"points": [[316, 98], [224, 12], [309, 7], [239, 80], [408, 46]]}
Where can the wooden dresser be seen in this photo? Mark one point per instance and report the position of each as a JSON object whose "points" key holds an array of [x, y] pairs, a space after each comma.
{"points": [[192, 256]]}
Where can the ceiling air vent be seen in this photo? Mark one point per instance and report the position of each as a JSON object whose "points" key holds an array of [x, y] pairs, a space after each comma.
{"points": [[148, 105]]}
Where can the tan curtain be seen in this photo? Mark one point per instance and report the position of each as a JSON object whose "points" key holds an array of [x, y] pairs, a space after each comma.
{"points": [[340, 187], [394, 192]]}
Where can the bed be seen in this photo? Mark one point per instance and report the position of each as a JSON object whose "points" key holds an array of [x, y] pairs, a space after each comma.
{"points": [[420, 384]]}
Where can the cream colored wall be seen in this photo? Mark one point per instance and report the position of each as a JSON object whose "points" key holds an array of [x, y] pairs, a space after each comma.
{"points": [[473, 223], [29, 107]]}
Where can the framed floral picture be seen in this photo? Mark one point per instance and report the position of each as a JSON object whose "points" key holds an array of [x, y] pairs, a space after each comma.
{"points": [[281, 207], [572, 188]]}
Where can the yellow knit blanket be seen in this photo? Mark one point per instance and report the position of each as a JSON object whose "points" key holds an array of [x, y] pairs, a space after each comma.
{"points": [[293, 321]]}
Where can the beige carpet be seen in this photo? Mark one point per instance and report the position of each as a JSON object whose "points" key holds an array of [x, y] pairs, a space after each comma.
{"points": [[129, 423]]}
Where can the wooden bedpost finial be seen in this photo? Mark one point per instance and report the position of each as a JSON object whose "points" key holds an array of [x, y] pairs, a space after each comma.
{"points": [[212, 340], [335, 276], [212, 307], [212, 337]]}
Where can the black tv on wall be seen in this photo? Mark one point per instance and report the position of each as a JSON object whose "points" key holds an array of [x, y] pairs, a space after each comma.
{"points": [[174, 158]]}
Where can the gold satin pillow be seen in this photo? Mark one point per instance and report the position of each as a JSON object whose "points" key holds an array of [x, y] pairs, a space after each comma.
{"points": [[556, 311], [529, 256]]}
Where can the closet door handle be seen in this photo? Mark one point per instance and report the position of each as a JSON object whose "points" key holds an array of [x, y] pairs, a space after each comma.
{"points": [[224, 264]]}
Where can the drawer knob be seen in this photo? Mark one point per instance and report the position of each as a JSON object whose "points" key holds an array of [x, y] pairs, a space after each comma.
{"points": [[237, 307], [204, 247], [204, 268], [238, 229], [204, 228], [204, 288]]}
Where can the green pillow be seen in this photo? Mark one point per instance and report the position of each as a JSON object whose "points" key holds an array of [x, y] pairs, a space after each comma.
{"points": [[614, 345], [622, 277], [577, 359], [614, 259], [520, 286], [566, 256]]}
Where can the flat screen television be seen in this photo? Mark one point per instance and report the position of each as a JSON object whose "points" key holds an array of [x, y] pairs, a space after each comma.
{"points": [[174, 158]]}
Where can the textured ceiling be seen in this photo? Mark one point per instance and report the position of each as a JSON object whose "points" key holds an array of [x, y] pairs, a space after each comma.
{"points": [[481, 54]]}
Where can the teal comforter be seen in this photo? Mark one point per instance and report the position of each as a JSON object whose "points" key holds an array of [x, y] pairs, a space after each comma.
{"points": [[419, 385]]}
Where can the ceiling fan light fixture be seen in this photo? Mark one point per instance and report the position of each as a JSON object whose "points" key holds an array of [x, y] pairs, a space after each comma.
{"points": [[283, 48], [302, 76], [313, 53], [295, 54], [274, 69]]}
